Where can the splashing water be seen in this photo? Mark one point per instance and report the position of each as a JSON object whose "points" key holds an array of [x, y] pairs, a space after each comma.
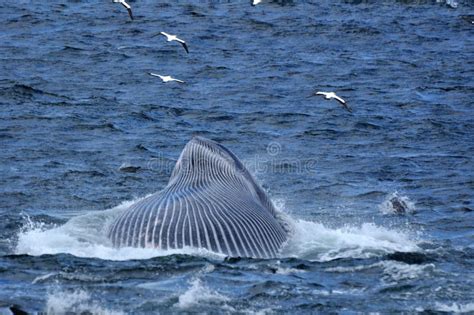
{"points": [[314, 241], [85, 236], [451, 3], [388, 207], [198, 294], [455, 307], [75, 302]]}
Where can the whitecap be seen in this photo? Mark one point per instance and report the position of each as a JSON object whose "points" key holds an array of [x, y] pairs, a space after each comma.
{"points": [[455, 307], [75, 302], [86, 236], [199, 294], [387, 206], [314, 241]]}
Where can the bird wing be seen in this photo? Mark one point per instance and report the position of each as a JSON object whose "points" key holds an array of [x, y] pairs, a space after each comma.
{"points": [[321, 93], [184, 45], [130, 13], [154, 74], [128, 7], [180, 81], [340, 100], [343, 103], [165, 34], [125, 4], [347, 107]]}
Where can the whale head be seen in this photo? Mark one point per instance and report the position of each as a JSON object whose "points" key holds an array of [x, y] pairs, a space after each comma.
{"points": [[204, 162], [212, 202]]}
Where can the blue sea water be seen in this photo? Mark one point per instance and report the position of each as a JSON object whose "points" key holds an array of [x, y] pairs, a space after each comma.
{"points": [[85, 132]]}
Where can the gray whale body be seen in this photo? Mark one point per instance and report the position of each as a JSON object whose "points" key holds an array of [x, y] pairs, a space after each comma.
{"points": [[212, 202]]}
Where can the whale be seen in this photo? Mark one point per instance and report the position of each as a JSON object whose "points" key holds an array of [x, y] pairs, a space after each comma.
{"points": [[212, 202]]}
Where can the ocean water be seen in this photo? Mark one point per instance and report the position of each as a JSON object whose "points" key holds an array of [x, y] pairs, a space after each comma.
{"points": [[85, 132]]}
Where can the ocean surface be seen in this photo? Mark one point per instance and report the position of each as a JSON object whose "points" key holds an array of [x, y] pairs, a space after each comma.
{"points": [[85, 132]]}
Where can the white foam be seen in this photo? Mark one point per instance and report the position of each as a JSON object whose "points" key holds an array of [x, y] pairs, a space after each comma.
{"points": [[287, 271], [75, 302], [452, 3], [455, 307], [341, 269], [85, 236], [393, 272], [198, 294], [44, 277], [314, 241], [386, 206]]}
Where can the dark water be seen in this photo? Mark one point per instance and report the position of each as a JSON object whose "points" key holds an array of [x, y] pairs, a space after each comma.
{"points": [[84, 131]]}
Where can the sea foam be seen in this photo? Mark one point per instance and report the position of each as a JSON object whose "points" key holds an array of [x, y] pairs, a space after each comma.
{"points": [[85, 236]]}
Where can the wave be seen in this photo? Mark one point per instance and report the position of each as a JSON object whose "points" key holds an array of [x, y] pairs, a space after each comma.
{"points": [[21, 91], [85, 236], [198, 294], [397, 204], [316, 242], [75, 302], [455, 307]]}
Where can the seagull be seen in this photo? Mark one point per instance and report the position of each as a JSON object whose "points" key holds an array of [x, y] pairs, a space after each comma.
{"points": [[126, 5], [255, 2], [330, 95], [171, 38], [165, 78]]}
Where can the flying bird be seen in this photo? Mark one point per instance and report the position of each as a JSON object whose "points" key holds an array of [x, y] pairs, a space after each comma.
{"points": [[126, 5], [332, 95], [165, 78], [171, 38]]}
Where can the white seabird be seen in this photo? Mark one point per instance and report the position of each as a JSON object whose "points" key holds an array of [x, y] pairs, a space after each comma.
{"points": [[165, 78], [171, 38], [332, 95], [255, 2], [126, 5]]}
